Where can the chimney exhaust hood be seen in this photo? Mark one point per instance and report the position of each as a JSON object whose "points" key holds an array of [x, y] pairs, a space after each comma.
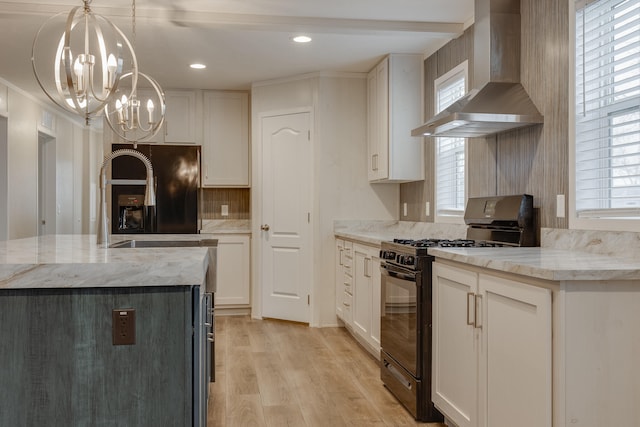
{"points": [[501, 103]]}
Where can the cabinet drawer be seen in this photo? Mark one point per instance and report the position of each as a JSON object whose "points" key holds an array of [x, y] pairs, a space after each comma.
{"points": [[348, 281], [347, 300], [347, 262], [348, 249]]}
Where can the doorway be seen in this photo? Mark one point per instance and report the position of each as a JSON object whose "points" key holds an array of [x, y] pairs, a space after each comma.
{"points": [[286, 223], [46, 184]]}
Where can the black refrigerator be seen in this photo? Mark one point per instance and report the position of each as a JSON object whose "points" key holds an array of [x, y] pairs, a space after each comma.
{"points": [[176, 169]]}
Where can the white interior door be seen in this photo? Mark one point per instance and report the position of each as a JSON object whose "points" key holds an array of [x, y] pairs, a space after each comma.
{"points": [[286, 216]]}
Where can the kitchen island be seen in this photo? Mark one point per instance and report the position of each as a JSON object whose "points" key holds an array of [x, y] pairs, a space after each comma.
{"points": [[66, 304]]}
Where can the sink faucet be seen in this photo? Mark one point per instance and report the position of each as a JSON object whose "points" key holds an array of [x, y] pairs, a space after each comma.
{"points": [[104, 235]]}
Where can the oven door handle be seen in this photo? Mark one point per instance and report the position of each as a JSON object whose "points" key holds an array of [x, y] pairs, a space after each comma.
{"points": [[388, 271], [397, 374]]}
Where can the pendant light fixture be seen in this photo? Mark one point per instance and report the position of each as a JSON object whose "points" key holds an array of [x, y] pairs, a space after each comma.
{"points": [[133, 117], [78, 61]]}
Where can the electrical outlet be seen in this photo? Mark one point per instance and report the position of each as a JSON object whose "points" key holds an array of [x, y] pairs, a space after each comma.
{"points": [[560, 205], [225, 210], [123, 326]]}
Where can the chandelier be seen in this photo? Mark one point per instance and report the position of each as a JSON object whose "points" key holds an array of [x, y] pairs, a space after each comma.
{"points": [[82, 57], [132, 119]]}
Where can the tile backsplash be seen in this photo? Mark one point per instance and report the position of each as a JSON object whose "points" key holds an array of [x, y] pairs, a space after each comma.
{"points": [[237, 200]]}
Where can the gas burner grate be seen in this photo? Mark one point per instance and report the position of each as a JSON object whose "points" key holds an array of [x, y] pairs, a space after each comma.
{"points": [[457, 243]]}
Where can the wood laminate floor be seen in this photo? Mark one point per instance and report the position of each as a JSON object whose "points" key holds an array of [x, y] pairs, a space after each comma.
{"points": [[275, 373]]}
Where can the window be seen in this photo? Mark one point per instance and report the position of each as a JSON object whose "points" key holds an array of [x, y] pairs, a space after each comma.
{"points": [[607, 109], [450, 152]]}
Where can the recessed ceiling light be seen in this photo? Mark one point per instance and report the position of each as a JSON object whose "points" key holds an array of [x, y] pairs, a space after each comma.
{"points": [[302, 39], [198, 66]]}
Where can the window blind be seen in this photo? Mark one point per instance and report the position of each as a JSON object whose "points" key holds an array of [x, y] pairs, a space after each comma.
{"points": [[450, 153], [608, 108]]}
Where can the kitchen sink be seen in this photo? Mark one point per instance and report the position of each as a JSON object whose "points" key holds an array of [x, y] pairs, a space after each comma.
{"points": [[164, 243]]}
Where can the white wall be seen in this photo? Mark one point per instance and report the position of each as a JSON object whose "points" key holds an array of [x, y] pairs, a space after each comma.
{"points": [[341, 189], [76, 150], [22, 156]]}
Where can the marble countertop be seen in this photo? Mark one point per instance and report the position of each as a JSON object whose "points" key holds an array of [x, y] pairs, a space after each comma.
{"points": [[76, 261], [617, 260], [545, 263], [375, 232]]}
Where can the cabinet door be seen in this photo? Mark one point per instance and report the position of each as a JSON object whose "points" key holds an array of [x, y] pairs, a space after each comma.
{"points": [[180, 117], [372, 125], [226, 139], [376, 300], [382, 114], [361, 292], [515, 364], [339, 278], [233, 270], [455, 345]]}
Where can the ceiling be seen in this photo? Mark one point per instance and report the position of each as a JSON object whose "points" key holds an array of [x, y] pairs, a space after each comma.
{"points": [[245, 41]]}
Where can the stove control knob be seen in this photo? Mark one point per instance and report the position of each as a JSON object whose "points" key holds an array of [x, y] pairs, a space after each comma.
{"points": [[408, 260], [387, 255]]}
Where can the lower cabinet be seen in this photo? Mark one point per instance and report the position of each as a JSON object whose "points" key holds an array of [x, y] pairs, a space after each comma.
{"points": [[492, 349], [233, 279], [358, 294], [344, 280]]}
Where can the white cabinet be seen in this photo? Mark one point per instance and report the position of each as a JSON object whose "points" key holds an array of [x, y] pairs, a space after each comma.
{"points": [[233, 271], [225, 148], [491, 349], [180, 117], [366, 298], [394, 109], [180, 120], [344, 280]]}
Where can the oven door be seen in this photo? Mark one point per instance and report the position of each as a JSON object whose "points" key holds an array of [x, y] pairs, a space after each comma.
{"points": [[400, 334]]}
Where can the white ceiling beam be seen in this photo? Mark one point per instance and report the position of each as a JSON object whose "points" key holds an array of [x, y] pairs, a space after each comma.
{"points": [[249, 22]]}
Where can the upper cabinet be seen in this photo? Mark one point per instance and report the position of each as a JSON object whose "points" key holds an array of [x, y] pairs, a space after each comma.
{"points": [[394, 108], [180, 117], [225, 147], [180, 123]]}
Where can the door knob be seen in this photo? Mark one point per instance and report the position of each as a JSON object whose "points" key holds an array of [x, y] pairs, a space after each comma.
{"points": [[264, 227]]}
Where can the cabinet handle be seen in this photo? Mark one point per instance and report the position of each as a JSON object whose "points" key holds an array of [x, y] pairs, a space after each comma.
{"points": [[367, 267], [477, 307], [341, 253], [471, 296], [346, 304], [374, 162]]}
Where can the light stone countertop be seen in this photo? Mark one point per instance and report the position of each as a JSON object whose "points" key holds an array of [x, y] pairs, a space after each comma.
{"points": [[375, 232], [545, 263], [567, 255], [76, 261]]}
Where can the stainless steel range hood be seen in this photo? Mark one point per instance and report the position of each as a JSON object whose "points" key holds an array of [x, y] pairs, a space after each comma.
{"points": [[501, 103]]}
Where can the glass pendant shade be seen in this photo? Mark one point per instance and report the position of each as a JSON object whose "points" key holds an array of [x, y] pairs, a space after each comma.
{"points": [[138, 115], [78, 59]]}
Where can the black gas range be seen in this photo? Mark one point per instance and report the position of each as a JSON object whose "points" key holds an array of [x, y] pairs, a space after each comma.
{"points": [[405, 267], [404, 252]]}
